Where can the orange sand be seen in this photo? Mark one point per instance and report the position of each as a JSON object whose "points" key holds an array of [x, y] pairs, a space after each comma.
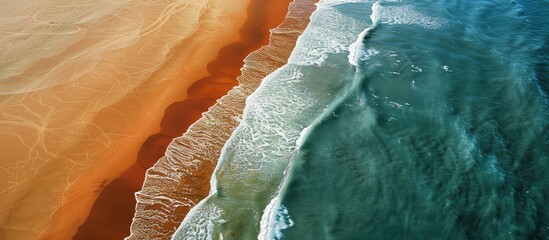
{"points": [[112, 212], [82, 85], [179, 180]]}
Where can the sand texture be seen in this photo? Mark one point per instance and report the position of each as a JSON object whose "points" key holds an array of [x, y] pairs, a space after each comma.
{"points": [[82, 85], [181, 178], [112, 212]]}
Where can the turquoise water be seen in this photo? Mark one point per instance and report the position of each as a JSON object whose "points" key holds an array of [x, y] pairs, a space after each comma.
{"points": [[394, 120]]}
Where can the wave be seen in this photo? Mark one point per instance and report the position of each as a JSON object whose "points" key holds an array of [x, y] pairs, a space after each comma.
{"points": [[357, 49], [254, 160], [275, 219], [172, 185], [328, 33], [442, 136]]}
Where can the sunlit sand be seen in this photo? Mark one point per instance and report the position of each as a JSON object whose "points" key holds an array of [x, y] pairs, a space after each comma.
{"points": [[82, 85], [113, 210], [182, 178]]}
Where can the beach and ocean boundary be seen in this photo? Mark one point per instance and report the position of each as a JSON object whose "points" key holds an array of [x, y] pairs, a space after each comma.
{"points": [[181, 179], [113, 210]]}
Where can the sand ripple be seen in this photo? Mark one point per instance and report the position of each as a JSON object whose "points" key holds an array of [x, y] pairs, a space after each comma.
{"points": [[82, 84], [179, 180]]}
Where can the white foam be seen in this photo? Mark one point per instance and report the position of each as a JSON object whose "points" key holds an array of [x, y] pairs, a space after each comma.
{"points": [[275, 219], [301, 136], [329, 32], [407, 15], [274, 118], [200, 228], [332, 3], [416, 69], [446, 68], [357, 49], [361, 54]]}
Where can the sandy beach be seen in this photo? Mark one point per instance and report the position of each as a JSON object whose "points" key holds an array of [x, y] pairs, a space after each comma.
{"points": [[82, 87], [114, 209], [181, 178]]}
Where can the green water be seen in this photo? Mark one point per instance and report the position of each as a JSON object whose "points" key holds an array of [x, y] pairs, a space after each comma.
{"points": [[394, 120], [444, 134]]}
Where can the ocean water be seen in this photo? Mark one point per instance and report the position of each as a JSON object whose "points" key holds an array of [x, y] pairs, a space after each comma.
{"points": [[394, 120]]}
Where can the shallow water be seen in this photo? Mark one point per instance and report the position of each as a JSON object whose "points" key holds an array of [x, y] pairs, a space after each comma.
{"points": [[394, 120]]}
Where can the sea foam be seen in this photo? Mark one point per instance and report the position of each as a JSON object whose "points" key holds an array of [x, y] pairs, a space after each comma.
{"points": [[275, 219], [357, 49], [330, 32], [256, 158], [442, 135], [408, 15]]}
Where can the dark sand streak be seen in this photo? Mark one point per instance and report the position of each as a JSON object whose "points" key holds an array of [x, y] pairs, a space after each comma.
{"points": [[181, 178], [112, 212]]}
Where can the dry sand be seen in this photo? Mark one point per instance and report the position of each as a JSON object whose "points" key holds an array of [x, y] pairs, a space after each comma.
{"points": [[82, 85], [112, 212], [180, 179]]}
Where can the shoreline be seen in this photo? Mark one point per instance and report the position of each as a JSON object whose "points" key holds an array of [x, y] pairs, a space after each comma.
{"points": [[201, 95], [181, 178]]}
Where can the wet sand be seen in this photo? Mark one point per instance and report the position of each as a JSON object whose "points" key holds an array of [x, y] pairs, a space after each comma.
{"points": [[81, 88], [180, 179], [112, 212]]}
